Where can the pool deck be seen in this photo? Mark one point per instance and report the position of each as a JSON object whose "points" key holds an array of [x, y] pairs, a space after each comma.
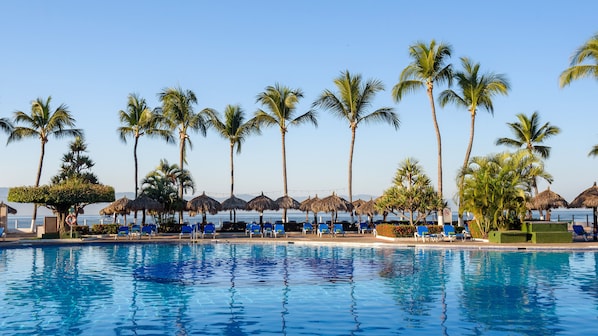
{"points": [[350, 238]]}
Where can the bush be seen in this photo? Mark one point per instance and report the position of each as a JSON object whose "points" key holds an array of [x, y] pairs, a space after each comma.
{"points": [[104, 229]]}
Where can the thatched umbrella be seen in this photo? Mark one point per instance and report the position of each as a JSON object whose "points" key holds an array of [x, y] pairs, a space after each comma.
{"points": [[356, 203], [204, 205], [121, 206], [143, 203], [588, 199], [233, 204], [261, 203], [287, 202], [306, 206], [547, 200], [367, 208], [332, 204]]}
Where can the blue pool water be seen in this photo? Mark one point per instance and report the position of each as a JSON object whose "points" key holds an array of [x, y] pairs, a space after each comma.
{"points": [[274, 289]]}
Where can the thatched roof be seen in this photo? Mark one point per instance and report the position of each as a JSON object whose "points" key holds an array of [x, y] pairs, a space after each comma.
{"points": [[121, 206], [307, 203], [367, 208], [204, 204], [233, 203], [287, 202], [261, 203], [332, 203], [356, 203], [548, 199], [145, 203], [587, 199], [9, 209]]}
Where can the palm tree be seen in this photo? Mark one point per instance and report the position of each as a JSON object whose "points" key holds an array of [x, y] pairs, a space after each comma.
{"points": [[529, 134], [43, 123], [578, 69], [351, 102], [235, 129], [476, 90], [138, 120], [427, 68], [281, 103], [177, 107], [5, 125]]}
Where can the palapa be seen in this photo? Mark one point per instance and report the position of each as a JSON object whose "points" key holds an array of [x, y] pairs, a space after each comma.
{"points": [[588, 199], [233, 204], [547, 200], [121, 206], [306, 206], [204, 205], [143, 203], [287, 202], [332, 204], [262, 203]]}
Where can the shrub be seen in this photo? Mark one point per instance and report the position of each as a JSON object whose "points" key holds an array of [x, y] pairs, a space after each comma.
{"points": [[104, 229]]}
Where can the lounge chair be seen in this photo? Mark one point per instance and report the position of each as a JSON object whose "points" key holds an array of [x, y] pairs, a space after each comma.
{"points": [[578, 230], [364, 228], [186, 230], [449, 232], [256, 229], [307, 227], [2, 234], [423, 233], [466, 232], [135, 231], [148, 230], [268, 229], [279, 230], [338, 229], [323, 229], [123, 231], [248, 228], [209, 229]]}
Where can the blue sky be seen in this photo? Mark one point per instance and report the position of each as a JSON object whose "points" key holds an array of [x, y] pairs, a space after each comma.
{"points": [[92, 55]]}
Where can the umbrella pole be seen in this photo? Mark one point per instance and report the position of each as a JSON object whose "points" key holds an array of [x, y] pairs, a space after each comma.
{"points": [[595, 224]]}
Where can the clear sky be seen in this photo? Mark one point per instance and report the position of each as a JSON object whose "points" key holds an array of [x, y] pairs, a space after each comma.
{"points": [[92, 55]]}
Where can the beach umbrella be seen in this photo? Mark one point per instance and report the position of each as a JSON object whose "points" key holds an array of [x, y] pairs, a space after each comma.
{"points": [[262, 203], [356, 203], [305, 205], [233, 204], [119, 207], [204, 205], [287, 202], [143, 203], [367, 208], [588, 199], [547, 200], [332, 204]]}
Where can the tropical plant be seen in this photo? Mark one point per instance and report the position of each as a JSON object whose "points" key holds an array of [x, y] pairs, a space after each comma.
{"points": [[427, 69], [5, 125], [351, 102], [476, 91], [76, 165], [139, 120], [578, 69], [43, 123], [281, 105], [496, 187], [411, 196], [529, 134]]}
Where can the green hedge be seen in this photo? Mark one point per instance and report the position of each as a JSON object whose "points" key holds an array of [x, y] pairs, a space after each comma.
{"points": [[403, 230], [507, 237]]}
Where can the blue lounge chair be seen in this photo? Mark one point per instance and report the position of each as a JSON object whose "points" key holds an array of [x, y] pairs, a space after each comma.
{"points": [[423, 233], [449, 232], [148, 230], [256, 229], [135, 231], [248, 228], [209, 229], [338, 229], [2, 234], [279, 230], [307, 227], [268, 229], [578, 230], [123, 231], [364, 228], [323, 229], [186, 230]]}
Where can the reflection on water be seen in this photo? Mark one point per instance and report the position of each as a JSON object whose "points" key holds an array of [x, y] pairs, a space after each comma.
{"points": [[241, 289]]}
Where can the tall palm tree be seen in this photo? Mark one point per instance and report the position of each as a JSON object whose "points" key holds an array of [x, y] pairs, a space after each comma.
{"points": [[5, 125], [234, 128], [351, 102], [578, 69], [139, 120], [177, 107], [529, 134], [476, 90], [281, 103], [43, 123], [427, 68]]}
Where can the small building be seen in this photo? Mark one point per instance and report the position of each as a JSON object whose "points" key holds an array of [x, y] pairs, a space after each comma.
{"points": [[5, 210]]}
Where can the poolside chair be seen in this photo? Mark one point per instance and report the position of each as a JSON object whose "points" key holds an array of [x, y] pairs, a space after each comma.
{"points": [[279, 230], [323, 229], [209, 229], [256, 229], [338, 229], [449, 232], [578, 230], [248, 228], [2, 234], [123, 231], [364, 228], [466, 232], [186, 230], [422, 232], [268, 229], [307, 227], [148, 230], [135, 231]]}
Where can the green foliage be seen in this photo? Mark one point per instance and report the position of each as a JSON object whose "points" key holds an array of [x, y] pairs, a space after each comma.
{"points": [[76, 165], [99, 229]]}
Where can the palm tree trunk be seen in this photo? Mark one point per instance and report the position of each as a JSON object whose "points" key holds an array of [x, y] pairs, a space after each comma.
{"points": [[232, 175], [465, 162], [181, 162], [284, 174], [37, 179], [353, 129], [439, 141], [136, 176]]}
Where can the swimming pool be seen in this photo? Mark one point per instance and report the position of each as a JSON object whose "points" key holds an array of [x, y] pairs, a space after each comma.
{"points": [[294, 289]]}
